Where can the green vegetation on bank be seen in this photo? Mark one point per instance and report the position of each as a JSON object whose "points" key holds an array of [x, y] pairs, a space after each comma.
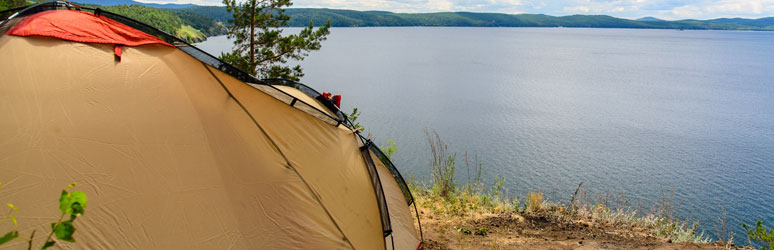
{"points": [[188, 26], [183, 24], [760, 235], [10, 4], [210, 20], [443, 198]]}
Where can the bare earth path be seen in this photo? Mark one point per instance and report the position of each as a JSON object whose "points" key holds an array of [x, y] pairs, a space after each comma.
{"points": [[538, 231]]}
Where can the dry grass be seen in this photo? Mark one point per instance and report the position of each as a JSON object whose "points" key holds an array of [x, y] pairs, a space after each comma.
{"points": [[535, 201], [475, 199]]}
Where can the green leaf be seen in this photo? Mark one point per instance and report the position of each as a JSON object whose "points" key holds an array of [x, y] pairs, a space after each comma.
{"points": [[72, 202], [64, 231], [48, 244], [78, 202], [9, 236], [64, 202]]}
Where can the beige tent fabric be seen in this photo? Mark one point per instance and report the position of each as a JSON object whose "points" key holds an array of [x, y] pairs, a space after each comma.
{"points": [[328, 157], [167, 158], [404, 234], [301, 96]]}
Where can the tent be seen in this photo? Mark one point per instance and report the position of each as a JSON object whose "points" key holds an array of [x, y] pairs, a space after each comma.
{"points": [[177, 149]]}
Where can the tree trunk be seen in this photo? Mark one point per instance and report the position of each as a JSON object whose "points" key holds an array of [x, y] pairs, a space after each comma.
{"points": [[252, 37]]}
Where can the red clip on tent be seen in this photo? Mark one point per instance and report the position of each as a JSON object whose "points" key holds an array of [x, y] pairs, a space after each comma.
{"points": [[178, 150]]}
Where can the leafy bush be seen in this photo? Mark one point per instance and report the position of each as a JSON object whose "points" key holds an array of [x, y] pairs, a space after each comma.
{"points": [[760, 234]]}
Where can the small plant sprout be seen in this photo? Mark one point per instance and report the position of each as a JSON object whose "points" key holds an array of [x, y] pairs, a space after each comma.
{"points": [[9, 216], [353, 119], [390, 149], [72, 203]]}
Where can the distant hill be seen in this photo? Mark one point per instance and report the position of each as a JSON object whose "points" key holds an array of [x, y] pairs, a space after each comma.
{"points": [[130, 2], [210, 19], [218, 13], [353, 18], [649, 19]]}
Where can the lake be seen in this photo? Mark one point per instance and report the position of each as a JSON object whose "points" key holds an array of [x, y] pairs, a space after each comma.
{"points": [[629, 112]]}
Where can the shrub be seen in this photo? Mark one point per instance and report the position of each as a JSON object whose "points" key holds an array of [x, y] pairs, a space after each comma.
{"points": [[760, 234]]}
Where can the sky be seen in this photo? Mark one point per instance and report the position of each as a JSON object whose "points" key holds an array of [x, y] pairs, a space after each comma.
{"points": [[664, 9]]}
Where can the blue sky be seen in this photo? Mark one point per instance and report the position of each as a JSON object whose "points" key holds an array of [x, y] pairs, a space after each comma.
{"points": [[671, 10]]}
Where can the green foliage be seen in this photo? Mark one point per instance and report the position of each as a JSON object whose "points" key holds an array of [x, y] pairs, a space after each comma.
{"points": [[187, 26], [206, 25], [390, 149], [464, 230], [9, 236], [482, 231], [72, 203], [760, 234], [64, 231], [9, 216], [10, 4], [220, 14], [353, 118], [260, 47], [351, 18], [158, 18]]}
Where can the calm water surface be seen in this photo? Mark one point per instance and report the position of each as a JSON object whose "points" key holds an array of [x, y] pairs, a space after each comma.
{"points": [[626, 111]]}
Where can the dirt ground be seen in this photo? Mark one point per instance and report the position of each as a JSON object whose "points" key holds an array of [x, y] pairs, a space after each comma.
{"points": [[538, 231]]}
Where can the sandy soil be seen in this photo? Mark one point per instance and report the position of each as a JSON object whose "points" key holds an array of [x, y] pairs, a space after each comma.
{"points": [[538, 231]]}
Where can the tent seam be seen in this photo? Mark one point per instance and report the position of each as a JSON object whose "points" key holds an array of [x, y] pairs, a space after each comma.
{"points": [[314, 194]]}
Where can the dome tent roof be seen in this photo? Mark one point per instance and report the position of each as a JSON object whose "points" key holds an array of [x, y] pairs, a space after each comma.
{"points": [[180, 150]]}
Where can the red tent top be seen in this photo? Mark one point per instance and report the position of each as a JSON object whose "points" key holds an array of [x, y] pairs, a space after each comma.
{"points": [[82, 27]]}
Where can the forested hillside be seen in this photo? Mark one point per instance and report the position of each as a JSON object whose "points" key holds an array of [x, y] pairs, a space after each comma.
{"points": [[197, 22], [353, 18], [131, 2], [185, 25]]}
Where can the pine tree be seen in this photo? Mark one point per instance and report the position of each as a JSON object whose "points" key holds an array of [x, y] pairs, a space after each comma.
{"points": [[260, 47]]}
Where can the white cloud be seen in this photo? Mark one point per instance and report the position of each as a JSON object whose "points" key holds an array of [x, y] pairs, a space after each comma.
{"points": [[577, 9], [723, 8], [197, 2]]}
